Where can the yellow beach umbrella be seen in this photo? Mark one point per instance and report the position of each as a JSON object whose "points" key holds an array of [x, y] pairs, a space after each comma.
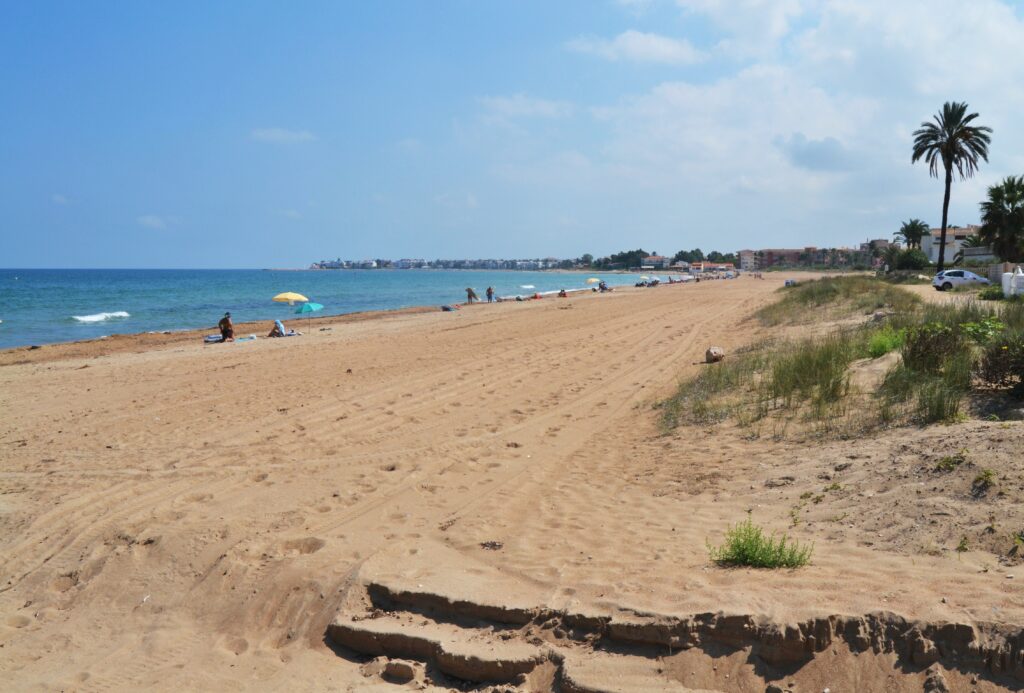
{"points": [[290, 297], [593, 280]]}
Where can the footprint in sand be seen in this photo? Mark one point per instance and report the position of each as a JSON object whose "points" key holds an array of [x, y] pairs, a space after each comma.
{"points": [[18, 621], [236, 645], [303, 546]]}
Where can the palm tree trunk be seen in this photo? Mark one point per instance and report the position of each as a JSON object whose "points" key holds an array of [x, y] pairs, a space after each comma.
{"points": [[945, 216]]}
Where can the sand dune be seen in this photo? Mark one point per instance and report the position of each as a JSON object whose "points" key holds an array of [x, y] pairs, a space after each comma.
{"points": [[188, 517]]}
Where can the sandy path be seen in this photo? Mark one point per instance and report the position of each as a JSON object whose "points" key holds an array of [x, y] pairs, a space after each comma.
{"points": [[185, 517]]}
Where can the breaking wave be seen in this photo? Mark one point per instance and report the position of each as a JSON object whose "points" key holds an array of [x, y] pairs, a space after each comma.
{"points": [[101, 317]]}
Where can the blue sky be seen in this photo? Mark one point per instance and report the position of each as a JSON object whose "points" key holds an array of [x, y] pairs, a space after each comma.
{"points": [[258, 134]]}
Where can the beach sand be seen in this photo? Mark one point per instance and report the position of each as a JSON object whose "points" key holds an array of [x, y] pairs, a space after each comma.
{"points": [[176, 516]]}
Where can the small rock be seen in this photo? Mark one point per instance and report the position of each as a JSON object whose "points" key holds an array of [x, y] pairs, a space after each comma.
{"points": [[772, 688], [879, 315], [781, 481], [843, 466], [714, 354], [1014, 415]]}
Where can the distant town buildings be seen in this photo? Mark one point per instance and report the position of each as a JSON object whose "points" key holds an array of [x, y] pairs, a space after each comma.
{"points": [[411, 263], [864, 255]]}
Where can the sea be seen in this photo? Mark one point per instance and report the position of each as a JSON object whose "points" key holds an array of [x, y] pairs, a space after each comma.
{"points": [[46, 306]]}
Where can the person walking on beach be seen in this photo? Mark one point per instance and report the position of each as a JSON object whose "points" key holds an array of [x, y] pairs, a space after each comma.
{"points": [[471, 296], [490, 294], [227, 329]]}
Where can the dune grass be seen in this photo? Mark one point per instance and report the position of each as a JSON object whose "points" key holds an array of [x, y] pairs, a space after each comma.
{"points": [[746, 544], [804, 385], [841, 296]]}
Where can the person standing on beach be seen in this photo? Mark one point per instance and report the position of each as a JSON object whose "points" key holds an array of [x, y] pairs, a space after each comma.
{"points": [[471, 296], [227, 329], [490, 294]]}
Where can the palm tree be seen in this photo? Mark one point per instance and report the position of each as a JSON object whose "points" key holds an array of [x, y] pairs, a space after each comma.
{"points": [[972, 241], [911, 232], [1002, 219], [951, 142]]}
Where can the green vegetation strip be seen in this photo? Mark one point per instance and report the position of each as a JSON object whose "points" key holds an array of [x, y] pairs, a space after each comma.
{"points": [[946, 351]]}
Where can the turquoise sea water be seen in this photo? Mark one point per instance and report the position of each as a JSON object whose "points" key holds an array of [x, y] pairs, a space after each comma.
{"points": [[47, 306]]}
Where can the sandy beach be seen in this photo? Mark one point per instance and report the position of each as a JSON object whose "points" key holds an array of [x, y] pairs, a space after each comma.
{"points": [[177, 516]]}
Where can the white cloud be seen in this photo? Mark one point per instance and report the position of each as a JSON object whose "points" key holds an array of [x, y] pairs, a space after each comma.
{"points": [[282, 135], [523, 106], [59, 199], [640, 47], [457, 200], [754, 27], [152, 221]]}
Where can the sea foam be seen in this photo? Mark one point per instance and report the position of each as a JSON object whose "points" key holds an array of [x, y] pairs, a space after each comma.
{"points": [[101, 317]]}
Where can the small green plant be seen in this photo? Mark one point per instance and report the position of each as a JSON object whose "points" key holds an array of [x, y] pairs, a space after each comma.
{"points": [[834, 486], [746, 544], [951, 462], [963, 545], [985, 480], [991, 293], [806, 494], [883, 341], [982, 330]]}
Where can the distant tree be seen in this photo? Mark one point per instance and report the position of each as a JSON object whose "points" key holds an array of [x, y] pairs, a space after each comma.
{"points": [[891, 257], [586, 259], [912, 259], [715, 256], [695, 255], [911, 233], [1002, 219], [951, 142], [627, 259]]}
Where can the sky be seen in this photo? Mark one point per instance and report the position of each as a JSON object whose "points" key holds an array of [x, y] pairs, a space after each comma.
{"points": [[269, 134]]}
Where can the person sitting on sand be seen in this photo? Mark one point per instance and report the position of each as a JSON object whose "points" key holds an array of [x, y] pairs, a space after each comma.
{"points": [[471, 296], [278, 330], [562, 294], [227, 329]]}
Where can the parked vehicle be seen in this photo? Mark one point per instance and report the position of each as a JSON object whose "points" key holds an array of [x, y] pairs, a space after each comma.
{"points": [[944, 281]]}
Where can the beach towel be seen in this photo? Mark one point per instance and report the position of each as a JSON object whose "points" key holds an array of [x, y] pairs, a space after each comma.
{"points": [[212, 338]]}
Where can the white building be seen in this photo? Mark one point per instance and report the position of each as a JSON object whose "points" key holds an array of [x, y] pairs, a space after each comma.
{"points": [[955, 237]]}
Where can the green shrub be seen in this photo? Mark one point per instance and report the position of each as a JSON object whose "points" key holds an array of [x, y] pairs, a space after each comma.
{"points": [[883, 341], [746, 544], [1002, 361], [983, 330], [991, 293]]}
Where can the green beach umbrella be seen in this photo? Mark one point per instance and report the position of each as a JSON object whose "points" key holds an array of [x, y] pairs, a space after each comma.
{"points": [[308, 308]]}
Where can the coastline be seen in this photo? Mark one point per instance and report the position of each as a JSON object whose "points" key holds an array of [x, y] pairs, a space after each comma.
{"points": [[137, 342]]}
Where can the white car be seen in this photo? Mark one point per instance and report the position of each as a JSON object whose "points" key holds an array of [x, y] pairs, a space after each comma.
{"points": [[944, 281]]}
